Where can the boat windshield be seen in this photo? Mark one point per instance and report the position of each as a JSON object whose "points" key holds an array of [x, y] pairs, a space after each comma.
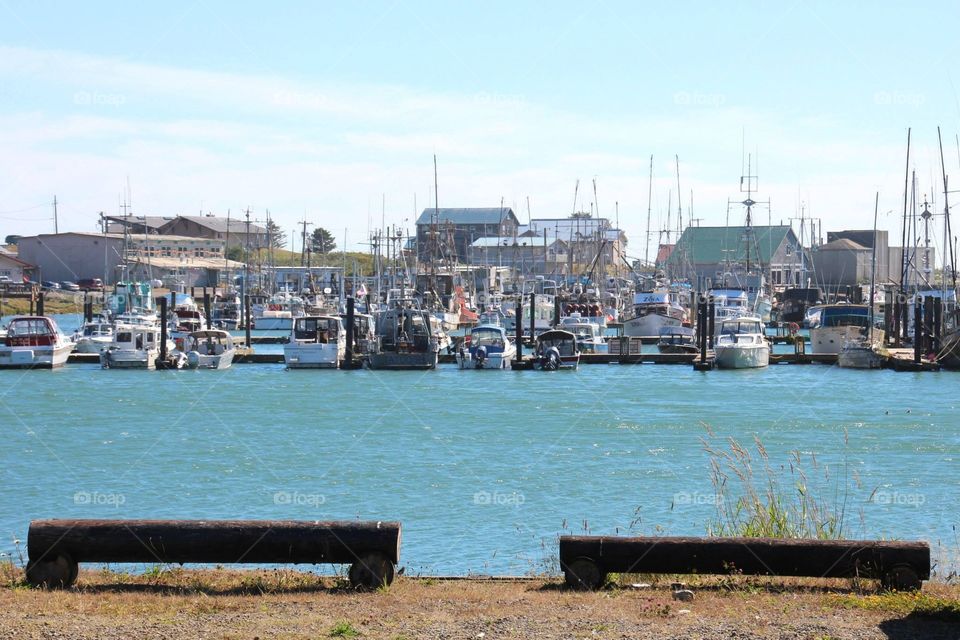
{"points": [[481, 338], [740, 327], [30, 327]]}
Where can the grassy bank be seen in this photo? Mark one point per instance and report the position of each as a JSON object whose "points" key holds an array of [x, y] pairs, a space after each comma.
{"points": [[293, 604], [53, 302]]}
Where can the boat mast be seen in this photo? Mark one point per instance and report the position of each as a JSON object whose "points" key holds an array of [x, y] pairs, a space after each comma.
{"points": [[873, 269], [946, 213], [646, 256], [903, 235]]}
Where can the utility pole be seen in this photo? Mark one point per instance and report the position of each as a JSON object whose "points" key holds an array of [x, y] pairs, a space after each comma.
{"points": [[303, 246], [56, 228]]}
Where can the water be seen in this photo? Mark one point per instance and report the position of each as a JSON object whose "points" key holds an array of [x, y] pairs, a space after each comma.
{"points": [[484, 469]]}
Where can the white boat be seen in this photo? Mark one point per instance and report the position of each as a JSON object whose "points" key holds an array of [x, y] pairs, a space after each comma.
{"points": [[834, 325], [226, 311], [589, 335], [729, 303], [209, 349], [134, 346], [490, 348], [316, 342], [278, 313], [652, 311], [94, 337], [556, 349], [34, 341], [859, 355], [740, 344]]}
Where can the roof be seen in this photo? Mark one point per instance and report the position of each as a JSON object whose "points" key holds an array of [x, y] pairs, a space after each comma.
{"points": [[14, 259], [842, 244], [151, 222], [137, 238], [220, 225], [474, 215], [717, 245], [189, 262], [508, 241]]}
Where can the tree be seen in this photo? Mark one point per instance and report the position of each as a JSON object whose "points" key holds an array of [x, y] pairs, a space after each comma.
{"points": [[278, 239], [321, 241]]}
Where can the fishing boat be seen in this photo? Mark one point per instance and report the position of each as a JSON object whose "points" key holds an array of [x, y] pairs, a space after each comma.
{"points": [[226, 311], [364, 333], [94, 337], [134, 346], [653, 310], [209, 349], [589, 334], [316, 342], [556, 349], [34, 341], [677, 340], [729, 303], [795, 302], [490, 348], [405, 339], [740, 344], [278, 313]]}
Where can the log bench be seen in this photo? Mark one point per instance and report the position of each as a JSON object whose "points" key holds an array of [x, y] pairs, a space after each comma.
{"points": [[56, 547], [586, 560]]}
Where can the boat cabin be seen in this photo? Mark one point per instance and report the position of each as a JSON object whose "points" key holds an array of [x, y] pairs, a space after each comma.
{"points": [[31, 331], [317, 329]]}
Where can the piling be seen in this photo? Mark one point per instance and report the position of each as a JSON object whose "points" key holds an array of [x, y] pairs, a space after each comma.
{"points": [[173, 300], [937, 325], [533, 315], [917, 331], [246, 316], [556, 311], [40, 303], [518, 326], [206, 308], [928, 324], [711, 321], [350, 337], [163, 329]]}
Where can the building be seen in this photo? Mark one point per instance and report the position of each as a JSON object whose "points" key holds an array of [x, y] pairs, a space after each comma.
{"points": [[846, 258], [13, 269], [234, 232], [446, 234], [584, 238], [135, 224], [177, 260], [526, 254], [705, 254]]}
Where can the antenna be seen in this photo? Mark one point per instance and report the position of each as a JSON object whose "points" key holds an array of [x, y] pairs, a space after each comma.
{"points": [[679, 203], [56, 228], [646, 256]]}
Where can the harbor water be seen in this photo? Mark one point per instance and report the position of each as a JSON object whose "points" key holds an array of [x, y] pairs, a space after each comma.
{"points": [[484, 469]]}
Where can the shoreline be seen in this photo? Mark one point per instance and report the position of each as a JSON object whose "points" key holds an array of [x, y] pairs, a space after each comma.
{"points": [[178, 603]]}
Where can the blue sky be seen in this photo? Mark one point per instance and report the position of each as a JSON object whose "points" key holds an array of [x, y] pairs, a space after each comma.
{"points": [[322, 110]]}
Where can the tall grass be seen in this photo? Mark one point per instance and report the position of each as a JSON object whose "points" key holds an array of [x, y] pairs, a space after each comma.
{"points": [[759, 499]]}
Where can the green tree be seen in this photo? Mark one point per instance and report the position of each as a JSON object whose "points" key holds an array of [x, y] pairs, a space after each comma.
{"points": [[278, 239], [322, 241]]}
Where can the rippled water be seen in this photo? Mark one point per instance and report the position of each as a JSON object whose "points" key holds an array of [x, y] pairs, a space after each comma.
{"points": [[484, 469]]}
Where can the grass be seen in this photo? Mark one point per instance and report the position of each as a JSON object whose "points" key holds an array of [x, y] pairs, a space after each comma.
{"points": [[757, 498], [919, 604], [343, 630]]}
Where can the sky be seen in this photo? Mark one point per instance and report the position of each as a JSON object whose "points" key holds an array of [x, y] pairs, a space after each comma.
{"points": [[333, 112]]}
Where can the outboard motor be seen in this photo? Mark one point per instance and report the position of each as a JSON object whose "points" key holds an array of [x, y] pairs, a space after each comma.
{"points": [[481, 355], [193, 359], [552, 359]]}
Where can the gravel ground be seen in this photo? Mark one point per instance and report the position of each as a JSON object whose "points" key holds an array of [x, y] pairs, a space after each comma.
{"points": [[229, 604]]}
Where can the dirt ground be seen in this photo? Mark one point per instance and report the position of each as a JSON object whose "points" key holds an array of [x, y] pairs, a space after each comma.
{"points": [[179, 604]]}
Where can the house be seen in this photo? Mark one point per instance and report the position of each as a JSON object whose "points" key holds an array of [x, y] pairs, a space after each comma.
{"points": [[135, 224], [112, 257], [234, 232], [447, 233], [584, 237], [704, 254], [847, 257], [13, 269], [526, 254]]}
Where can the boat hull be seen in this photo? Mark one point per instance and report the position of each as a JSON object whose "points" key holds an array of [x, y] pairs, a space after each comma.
{"points": [[273, 324], [859, 357], [494, 361], [830, 340], [92, 345], [195, 360], [312, 356], [34, 357], [113, 359], [649, 325], [745, 356]]}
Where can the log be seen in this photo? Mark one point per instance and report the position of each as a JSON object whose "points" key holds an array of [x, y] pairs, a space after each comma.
{"points": [[53, 543], [899, 565]]}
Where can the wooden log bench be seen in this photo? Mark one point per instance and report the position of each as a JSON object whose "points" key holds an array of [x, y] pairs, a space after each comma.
{"points": [[56, 547], [586, 560]]}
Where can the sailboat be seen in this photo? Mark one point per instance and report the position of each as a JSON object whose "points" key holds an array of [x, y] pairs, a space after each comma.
{"points": [[865, 353]]}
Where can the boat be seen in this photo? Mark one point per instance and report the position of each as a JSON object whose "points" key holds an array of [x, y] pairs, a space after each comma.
{"points": [[556, 349], [653, 310], [589, 334], [864, 352], [209, 349], [278, 313], [405, 339], [834, 325], [728, 303], [795, 302], [34, 342], [226, 311], [94, 337], [740, 344], [364, 333], [134, 346], [316, 342], [490, 348], [677, 340]]}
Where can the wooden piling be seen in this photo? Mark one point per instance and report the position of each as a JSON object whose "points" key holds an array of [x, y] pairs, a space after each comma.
{"points": [[533, 315], [246, 316], [711, 321], [207, 313], [162, 303], [40, 308], [917, 331], [556, 311], [518, 328], [350, 337]]}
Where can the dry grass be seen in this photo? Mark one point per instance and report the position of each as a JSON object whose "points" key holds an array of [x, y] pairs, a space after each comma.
{"points": [[295, 604]]}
